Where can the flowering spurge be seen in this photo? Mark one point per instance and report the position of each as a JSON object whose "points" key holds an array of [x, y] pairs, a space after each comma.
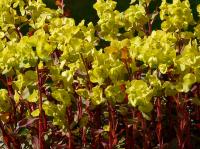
{"points": [[129, 79]]}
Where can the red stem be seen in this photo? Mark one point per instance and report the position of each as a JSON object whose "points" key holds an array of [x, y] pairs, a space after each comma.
{"points": [[91, 120], [159, 123], [79, 106], [80, 114], [128, 139], [8, 139], [5, 136], [144, 130], [69, 115], [128, 69], [169, 113], [145, 144], [134, 128], [10, 94], [84, 140], [41, 128], [183, 132], [113, 126]]}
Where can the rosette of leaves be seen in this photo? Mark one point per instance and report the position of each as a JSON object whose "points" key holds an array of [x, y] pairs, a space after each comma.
{"points": [[99, 71], [72, 40], [135, 18], [96, 95], [107, 66], [39, 14], [111, 20], [176, 16], [140, 95], [18, 55], [158, 50], [114, 93], [107, 24], [189, 58]]}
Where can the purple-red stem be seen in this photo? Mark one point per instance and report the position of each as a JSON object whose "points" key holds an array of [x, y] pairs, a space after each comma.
{"points": [[69, 114], [169, 113], [183, 129], [134, 128], [91, 120], [159, 123], [112, 127], [6, 138], [80, 114], [9, 139], [144, 130], [10, 94], [41, 128], [127, 140]]}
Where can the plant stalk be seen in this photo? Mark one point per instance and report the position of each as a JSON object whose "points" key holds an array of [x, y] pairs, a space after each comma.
{"points": [[41, 128]]}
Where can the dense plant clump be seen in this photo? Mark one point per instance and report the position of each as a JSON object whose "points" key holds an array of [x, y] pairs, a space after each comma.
{"points": [[129, 80]]}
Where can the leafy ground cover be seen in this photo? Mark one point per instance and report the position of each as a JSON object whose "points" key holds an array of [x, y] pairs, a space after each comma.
{"points": [[100, 74]]}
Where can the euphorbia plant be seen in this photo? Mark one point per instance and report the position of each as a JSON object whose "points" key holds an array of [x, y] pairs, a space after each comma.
{"points": [[129, 80]]}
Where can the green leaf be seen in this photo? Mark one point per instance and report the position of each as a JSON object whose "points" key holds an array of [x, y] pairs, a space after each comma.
{"points": [[106, 128], [16, 97], [5, 103], [114, 93], [24, 132], [117, 73], [49, 108], [188, 80], [20, 81], [62, 95], [163, 68], [132, 1], [2, 34], [35, 113], [97, 95], [25, 93], [83, 93], [148, 107], [146, 116], [33, 97], [98, 74], [139, 94], [198, 8], [169, 88]]}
